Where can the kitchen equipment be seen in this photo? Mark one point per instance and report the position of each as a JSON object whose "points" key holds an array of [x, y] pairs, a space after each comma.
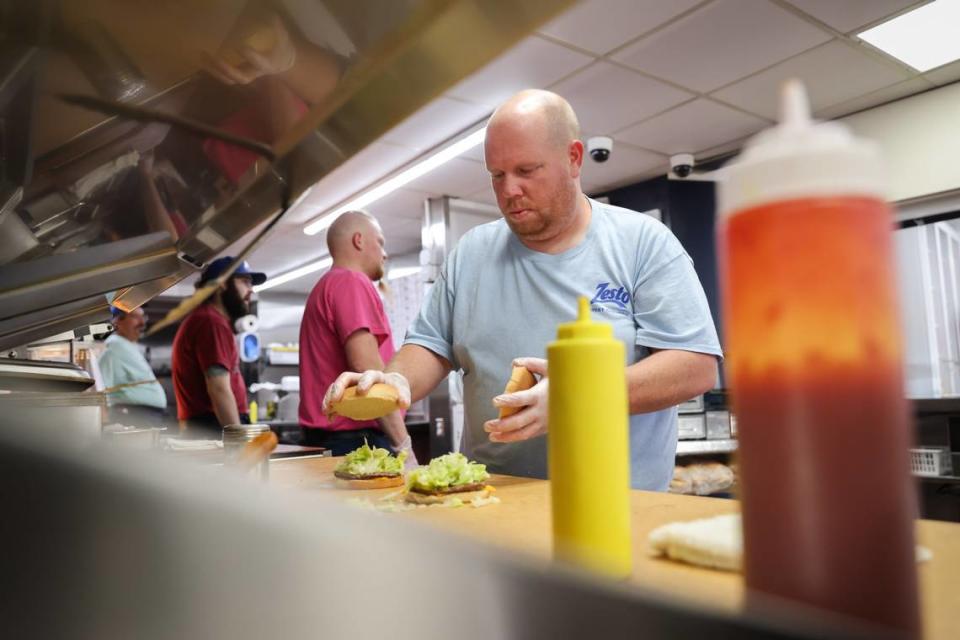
{"points": [[691, 426], [283, 354], [814, 366], [288, 408], [588, 448], [235, 439], [718, 425], [693, 405], [139, 438], [72, 418], [35, 375]]}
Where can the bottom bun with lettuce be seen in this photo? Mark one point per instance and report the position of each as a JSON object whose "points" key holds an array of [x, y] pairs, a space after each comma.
{"points": [[370, 468], [448, 479]]}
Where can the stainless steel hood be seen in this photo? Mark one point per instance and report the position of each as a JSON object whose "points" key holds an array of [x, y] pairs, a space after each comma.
{"points": [[116, 201]]}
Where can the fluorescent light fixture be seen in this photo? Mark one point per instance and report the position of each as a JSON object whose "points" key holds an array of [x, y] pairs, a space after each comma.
{"points": [[923, 38], [402, 272], [299, 272], [404, 177]]}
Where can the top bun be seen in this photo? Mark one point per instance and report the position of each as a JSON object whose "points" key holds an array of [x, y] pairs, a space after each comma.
{"points": [[520, 380], [380, 400]]}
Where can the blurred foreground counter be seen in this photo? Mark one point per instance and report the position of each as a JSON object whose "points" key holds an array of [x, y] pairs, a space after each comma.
{"points": [[521, 522]]}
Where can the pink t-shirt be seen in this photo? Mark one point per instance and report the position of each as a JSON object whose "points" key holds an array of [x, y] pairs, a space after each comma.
{"points": [[342, 303]]}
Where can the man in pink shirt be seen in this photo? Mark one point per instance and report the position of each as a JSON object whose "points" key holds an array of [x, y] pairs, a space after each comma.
{"points": [[344, 328]]}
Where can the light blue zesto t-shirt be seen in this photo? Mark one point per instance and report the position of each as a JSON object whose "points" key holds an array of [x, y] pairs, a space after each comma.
{"points": [[496, 300], [123, 364]]}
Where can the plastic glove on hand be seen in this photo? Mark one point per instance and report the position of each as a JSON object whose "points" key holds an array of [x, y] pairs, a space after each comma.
{"points": [[368, 395], [529, 405], [410, 462]]}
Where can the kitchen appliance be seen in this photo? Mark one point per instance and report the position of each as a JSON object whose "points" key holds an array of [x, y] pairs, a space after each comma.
{"points": [[127, 167], [73, 419]]}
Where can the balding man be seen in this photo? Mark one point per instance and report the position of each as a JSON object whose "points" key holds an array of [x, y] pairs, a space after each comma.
{"points": [[508, 284], [344, 328]]}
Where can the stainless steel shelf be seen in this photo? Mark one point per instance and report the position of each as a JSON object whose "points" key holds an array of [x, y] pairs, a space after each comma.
{"points": [[689, 447], [940, 479]]}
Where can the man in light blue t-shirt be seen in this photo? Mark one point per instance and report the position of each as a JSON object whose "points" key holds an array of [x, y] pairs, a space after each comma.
{"points": [[133, 394], [508, 284]]}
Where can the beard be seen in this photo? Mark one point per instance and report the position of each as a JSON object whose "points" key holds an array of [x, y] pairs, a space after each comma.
{"points": [[544, 222], [235, 305], [532, 227]]}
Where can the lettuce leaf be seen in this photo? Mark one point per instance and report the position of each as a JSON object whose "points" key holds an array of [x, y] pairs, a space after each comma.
{"points": [[368, 460], [451, 470]]}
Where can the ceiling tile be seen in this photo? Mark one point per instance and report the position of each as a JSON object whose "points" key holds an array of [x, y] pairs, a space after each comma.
{"points": [[722, 42], [692, 127], [601, 26], [434, 123], [402, 204], [625, 166], [608, 97], [725, 148], [877, 98], [302, 285], [369, 165], [475, 154], [286, 248], [946, 74], [833, 73], [849, 15], [534, 63], [455, 178]]}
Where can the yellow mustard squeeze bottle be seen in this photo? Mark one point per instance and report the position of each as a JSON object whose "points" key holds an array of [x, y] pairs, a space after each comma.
{"points": [[588, 444]]}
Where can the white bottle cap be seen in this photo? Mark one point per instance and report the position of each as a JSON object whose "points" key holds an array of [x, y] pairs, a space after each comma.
{"points": [[800, 158]]}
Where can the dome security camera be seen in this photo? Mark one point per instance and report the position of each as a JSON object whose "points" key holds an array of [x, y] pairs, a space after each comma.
{"points": [[600, 148], [681, 164]]}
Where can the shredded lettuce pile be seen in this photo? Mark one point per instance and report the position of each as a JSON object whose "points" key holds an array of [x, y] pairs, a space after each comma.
{"points": [[368, 460], [451, 470]]}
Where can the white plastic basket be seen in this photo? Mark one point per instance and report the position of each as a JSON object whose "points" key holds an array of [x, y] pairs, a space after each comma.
{"points": [[285, 356], [930, 462]]}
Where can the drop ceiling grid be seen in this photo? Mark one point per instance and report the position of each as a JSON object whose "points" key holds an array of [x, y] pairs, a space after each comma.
{"points": [[607, 57], [610, 56], [565, 53]]}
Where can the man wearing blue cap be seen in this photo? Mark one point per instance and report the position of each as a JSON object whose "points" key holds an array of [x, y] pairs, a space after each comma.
{"points": [[206, 361], [134, 396]]}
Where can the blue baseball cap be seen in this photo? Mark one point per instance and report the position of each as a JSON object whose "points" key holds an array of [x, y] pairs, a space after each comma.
{"points": [[216, 268]]}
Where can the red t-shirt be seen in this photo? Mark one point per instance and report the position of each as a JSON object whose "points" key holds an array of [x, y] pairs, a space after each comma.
{"points": [[342, 303], [203, 340]]}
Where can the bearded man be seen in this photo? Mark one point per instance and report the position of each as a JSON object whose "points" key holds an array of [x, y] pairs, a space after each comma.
{"points": [[206, 361]]}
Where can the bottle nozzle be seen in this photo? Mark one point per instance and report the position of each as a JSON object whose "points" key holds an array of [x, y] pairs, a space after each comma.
{"points": [[583, 308], [794, 105], [584, 326]]}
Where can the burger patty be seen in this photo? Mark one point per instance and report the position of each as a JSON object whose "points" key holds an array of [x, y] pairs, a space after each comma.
{"points": [[343, 475], [463, 488]]}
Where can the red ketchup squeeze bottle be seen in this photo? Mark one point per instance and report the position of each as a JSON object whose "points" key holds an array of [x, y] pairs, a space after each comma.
{"points": [[814, 369]]}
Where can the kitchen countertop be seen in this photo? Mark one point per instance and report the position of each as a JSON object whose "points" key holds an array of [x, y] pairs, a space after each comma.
{"points": [[521, 522]]}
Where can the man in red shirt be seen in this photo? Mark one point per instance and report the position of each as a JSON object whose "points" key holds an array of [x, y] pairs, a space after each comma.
{"points": [[344, 327], [206, 361]]}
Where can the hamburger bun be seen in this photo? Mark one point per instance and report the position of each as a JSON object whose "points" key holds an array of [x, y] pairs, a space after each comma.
{"points": [[379, 401], [520, 380], [439, 497], [373, 482]]}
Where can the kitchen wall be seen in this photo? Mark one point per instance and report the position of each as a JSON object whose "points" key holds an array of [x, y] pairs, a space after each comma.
{"points": [[920, 139]]}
